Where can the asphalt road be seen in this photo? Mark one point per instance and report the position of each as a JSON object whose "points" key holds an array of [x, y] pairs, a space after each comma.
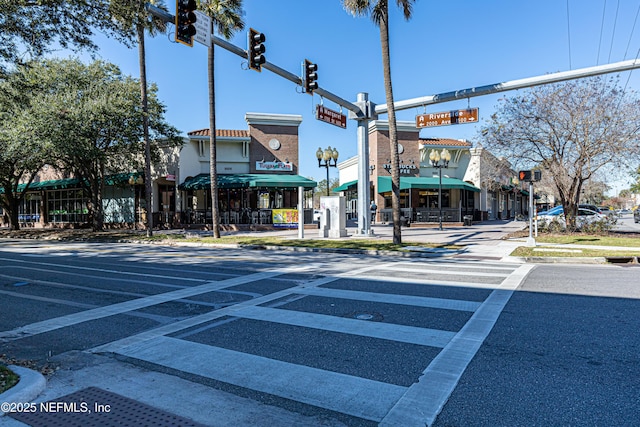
{"points": [[360, 340]]}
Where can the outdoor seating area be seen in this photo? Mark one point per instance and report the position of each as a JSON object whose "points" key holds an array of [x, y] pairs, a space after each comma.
{"points": [[242, 216], [426, 215]]}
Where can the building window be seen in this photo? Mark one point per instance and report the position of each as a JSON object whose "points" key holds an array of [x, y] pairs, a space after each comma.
{"points": [[201, 147], [29, 209], [67, 206]]}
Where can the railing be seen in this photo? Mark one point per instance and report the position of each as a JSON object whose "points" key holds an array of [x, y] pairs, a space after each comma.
{"points": [[242, 216], [422, 215]]}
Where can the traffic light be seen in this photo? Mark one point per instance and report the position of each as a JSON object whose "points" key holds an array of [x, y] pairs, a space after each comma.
{"points": [[310, 76], [185, 18], [525, 176], [256, 49]]}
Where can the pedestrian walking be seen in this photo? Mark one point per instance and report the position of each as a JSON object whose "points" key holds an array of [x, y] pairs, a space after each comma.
{"points": [[373, 208]]}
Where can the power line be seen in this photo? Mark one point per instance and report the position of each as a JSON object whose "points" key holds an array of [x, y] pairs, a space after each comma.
{"points": [[569, 35], [601, 32], [615, 23], [631, 35]]}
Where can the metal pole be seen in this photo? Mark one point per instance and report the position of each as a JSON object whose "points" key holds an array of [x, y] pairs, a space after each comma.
{"points": [[364, 186], [440, 196], [300, 212], [326, 165], [531, 241]]}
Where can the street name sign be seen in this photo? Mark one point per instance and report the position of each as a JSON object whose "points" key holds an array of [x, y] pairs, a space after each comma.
{"points": [[332, 117], [453, 117]]}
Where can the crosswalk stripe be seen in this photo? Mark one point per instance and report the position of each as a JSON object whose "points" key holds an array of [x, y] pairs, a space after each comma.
{"points": [[359, 397], [388, 331], [412, 300]]}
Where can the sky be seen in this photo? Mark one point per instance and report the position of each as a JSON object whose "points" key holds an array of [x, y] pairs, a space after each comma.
{"points": [[445, 46]]}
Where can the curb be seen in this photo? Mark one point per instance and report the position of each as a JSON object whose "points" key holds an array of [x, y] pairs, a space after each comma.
{"points": [[31, 384]]}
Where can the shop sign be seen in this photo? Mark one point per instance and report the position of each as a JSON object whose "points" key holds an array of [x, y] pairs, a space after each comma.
{"points": [[404, 169], [274, 166]]}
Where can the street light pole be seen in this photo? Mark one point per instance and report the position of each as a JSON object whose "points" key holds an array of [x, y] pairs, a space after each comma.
{"points": [[435, 158], [327, 155]]}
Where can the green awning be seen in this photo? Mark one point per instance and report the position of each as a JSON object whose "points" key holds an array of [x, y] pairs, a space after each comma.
{"points": [[425, 182], [351, 185], [63, 184], [250, 180], [54, 184], [281, 181]]}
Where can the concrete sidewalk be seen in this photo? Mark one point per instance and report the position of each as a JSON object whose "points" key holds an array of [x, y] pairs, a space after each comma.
{"points": [[488, 239]]}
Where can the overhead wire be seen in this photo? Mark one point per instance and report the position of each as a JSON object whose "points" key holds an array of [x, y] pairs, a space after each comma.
{"points": [[601, 32], [631, 35], [569, 35], [613, 35], [633, 28]]}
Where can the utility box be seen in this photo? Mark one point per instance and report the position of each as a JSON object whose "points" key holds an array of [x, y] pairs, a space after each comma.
{"points": [[333, 221]]}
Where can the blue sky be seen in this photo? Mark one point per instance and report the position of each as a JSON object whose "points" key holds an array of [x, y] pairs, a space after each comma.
{"points": [[445, 46]]}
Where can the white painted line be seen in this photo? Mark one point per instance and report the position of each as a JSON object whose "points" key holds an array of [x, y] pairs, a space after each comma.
{"points": [[411, 300], [116, 346], [416, 281], [387, 331], [450, 272], [463, 264], [99, 270], [136, 304], [425, 399], [347, 394]]}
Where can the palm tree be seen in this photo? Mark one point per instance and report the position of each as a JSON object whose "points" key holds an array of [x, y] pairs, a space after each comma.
{"points": [[226, 18], [379, 12], [134, 15]]}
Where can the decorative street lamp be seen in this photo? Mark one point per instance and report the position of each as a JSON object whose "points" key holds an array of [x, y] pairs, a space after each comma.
{"points": [[327, 155], [439, 161]]}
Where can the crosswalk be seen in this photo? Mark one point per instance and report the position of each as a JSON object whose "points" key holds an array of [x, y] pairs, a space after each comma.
{"points": [[403, 304]]}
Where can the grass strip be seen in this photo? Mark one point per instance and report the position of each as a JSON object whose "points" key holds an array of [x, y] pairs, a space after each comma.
{"points": [[7, 378]]}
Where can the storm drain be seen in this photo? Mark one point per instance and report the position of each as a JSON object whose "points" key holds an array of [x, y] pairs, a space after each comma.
{"points": [[96, 407], [622, 259]]}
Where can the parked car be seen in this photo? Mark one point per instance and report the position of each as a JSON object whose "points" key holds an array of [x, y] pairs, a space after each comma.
{"points": [[317, 214], [585, 216], [636, 215]]}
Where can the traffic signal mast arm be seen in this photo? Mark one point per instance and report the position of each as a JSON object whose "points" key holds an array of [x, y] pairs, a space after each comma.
{"points": [[511, 85], [425, 100], [167, 17]]}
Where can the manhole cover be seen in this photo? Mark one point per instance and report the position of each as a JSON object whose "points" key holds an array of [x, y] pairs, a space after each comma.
{"points": [[364, 316]]}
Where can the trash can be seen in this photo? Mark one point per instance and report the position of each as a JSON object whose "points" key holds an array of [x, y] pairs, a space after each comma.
{"points": [[467, 220]]}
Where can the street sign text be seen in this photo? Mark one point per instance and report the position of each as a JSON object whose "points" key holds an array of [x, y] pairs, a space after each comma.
{"points": [[454, 117], [332, 117]]}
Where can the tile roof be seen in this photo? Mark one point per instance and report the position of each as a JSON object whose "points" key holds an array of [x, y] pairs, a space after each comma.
{"points": [[445, 141], [223, 133]]}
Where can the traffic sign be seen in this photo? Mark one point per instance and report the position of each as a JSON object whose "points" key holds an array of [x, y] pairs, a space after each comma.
{"points": [[454, 117], [332, 117], [203, 29]]}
